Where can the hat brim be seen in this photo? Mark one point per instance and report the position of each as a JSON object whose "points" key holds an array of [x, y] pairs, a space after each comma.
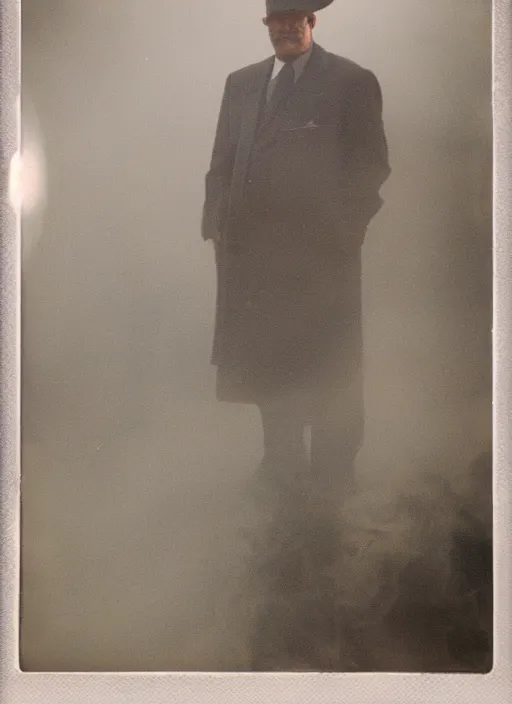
{"points": [[300, 5]]}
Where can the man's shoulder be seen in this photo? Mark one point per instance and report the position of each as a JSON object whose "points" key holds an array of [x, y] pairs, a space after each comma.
{"points": [[344, 65], [351, 73], [249, 72], [332, 62]]}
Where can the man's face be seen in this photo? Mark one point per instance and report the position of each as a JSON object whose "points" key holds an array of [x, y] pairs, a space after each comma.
{"points": [[290, 33]]}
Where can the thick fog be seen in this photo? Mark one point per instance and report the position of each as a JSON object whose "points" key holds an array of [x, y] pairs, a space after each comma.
{"points": [[133, 520]]}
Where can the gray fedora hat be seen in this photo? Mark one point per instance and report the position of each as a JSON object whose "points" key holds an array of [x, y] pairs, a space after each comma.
{"points": [[291, 5]]}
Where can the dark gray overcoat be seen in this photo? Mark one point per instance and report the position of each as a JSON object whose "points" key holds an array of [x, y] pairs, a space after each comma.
{"points": [[292, 196]]}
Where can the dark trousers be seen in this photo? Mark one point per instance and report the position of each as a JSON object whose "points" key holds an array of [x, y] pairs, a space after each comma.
{"points": [[333, 450]]}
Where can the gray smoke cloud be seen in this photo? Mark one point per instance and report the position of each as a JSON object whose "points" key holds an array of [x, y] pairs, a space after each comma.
{"points": [[134, 544]]}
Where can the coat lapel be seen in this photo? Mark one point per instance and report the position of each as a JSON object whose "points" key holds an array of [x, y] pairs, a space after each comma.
{"points": [[250, 117], [307, 83], [253, 101]]}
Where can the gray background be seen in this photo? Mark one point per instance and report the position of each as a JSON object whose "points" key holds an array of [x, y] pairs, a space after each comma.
{"points": [[131, 469]]}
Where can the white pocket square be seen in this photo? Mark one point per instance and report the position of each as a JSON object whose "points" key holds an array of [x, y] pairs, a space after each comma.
{"points": [[311, 125]]}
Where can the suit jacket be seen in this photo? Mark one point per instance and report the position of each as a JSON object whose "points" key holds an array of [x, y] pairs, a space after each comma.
{"points": [[322, 157]]}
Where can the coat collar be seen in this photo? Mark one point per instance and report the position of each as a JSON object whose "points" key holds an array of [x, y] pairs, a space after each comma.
{"points": [[298, 64], [307, 82], [315, 63]]}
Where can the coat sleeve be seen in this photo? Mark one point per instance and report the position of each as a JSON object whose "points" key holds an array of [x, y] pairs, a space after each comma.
{"points": [[218, 178], [366, 163]]}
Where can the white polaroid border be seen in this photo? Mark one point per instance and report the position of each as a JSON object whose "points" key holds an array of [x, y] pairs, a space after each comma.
{"points": [[17, 687]]}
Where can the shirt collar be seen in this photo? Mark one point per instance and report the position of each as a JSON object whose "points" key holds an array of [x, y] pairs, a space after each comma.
{"points": [[298, 65]]}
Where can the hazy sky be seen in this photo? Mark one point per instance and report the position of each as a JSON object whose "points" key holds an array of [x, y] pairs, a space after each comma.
{"points": [[118, 291]]}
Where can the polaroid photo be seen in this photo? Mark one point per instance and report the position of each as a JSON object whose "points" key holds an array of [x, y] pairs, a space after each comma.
{"points": [[255, 351]]}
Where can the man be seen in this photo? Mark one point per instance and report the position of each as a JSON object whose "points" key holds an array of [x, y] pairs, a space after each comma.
{"points": [[298, 160]]}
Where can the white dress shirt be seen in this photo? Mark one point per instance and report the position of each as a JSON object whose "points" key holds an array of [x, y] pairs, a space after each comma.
{"points": [[298, 68]]}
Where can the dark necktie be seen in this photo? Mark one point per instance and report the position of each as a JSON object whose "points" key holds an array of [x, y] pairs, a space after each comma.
{"points": [[284, 84]]}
